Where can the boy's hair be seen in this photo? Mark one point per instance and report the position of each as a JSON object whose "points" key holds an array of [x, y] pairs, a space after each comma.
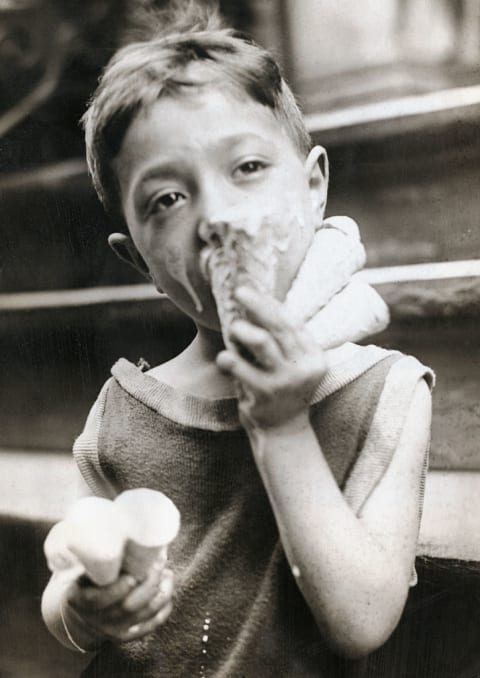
{"points": [[154, 64]]}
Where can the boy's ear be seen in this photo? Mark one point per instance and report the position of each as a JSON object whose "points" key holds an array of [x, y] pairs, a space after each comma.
{"points": [[125, 250], [316, 168]]}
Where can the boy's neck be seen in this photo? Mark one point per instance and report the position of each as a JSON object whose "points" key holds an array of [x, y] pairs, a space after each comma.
{"points": [[194, 371]]}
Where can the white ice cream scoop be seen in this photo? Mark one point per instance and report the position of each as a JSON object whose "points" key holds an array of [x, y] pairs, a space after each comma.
{"points": [[97, 536], [152, 522]]}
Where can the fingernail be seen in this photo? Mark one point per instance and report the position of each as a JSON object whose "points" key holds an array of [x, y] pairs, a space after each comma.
{"points": [[160, 616], [225, 358], [164, 586], [131, 581], [134, 629], [236, 324]]}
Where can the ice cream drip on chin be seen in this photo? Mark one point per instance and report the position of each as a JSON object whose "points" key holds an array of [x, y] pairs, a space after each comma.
{"points": [[244, 247]]}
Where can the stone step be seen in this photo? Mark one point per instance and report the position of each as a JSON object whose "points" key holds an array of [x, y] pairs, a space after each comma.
{"points": [[56, 349]]}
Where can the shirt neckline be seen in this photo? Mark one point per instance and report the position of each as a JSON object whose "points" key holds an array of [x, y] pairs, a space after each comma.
{"points": [[346, 363]]}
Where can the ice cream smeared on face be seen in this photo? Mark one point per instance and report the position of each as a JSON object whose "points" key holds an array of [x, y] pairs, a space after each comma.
{"points": [[244, 247], [176, 267]]}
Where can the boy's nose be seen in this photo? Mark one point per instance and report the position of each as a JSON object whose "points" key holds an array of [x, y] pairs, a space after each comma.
{"points": [[213, 231], [218, 204]]}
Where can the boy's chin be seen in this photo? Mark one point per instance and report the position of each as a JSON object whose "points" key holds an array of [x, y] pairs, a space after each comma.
{"points": [[211, 326], [206, 320]]}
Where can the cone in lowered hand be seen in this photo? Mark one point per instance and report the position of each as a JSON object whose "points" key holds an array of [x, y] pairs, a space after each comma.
{"points": [[152, 522], [95, 534]]}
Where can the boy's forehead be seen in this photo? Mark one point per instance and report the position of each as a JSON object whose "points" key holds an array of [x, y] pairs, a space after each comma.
{"points": [[202, 119]]}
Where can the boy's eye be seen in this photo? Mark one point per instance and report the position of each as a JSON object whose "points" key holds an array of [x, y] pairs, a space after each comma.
{"points": [[250, 167], [167, 201]]}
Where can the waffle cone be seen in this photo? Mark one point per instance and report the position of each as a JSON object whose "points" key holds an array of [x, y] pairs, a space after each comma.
{"points": [[95, 534], [152, 522], [244, 252]]}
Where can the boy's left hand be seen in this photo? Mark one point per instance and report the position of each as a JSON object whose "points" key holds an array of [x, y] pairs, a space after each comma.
{"points": [[278, 364]]}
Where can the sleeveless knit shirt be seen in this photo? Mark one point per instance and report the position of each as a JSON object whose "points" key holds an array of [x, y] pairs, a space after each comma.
{"points": [[237, 610]]}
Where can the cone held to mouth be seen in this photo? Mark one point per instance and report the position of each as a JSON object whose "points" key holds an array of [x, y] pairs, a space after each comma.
{"points": [[244, 248]]}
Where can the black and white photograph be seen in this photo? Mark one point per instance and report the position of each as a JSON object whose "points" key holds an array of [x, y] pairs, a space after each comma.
{"points": [[240, 339]]}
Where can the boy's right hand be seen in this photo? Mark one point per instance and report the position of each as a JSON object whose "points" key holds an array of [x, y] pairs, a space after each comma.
{"points": [[122, 611]]}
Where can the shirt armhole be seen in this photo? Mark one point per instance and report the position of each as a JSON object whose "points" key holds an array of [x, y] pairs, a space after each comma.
{"points": [[382, 439], [85, 449]]}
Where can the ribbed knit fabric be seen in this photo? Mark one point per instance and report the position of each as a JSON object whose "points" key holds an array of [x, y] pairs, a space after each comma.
{"points": [[237, 612]]}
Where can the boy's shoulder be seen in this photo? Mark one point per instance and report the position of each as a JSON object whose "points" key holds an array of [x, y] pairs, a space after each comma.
{"points": [[350, 362], [361, 411]]}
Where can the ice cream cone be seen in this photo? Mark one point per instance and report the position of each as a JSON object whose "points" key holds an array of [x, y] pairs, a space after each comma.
{"points": [[96, 536], [152, 521], [243, 248]]}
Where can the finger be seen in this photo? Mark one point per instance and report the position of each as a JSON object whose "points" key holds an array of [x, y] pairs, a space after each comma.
{"points": [[90, 598], [270, 315], [160, 598], [239, 368], [264, 312], [156, 604], [144, 592], [258, 342], [143, 628]]}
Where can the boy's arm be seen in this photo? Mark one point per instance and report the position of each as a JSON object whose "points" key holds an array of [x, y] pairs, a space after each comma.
{"points": [[354, 571]]}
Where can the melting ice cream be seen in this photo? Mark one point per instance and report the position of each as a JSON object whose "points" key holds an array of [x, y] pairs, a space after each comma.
{"points": [[244, 247]]}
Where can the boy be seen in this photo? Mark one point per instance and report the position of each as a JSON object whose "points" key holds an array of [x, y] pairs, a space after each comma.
{"points": [[300, 499]]}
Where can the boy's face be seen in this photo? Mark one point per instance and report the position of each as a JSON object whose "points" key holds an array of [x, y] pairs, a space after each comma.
{"points": [[185, 161]]}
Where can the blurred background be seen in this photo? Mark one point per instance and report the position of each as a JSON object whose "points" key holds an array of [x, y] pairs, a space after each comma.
{"points": [[390, 87]]}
